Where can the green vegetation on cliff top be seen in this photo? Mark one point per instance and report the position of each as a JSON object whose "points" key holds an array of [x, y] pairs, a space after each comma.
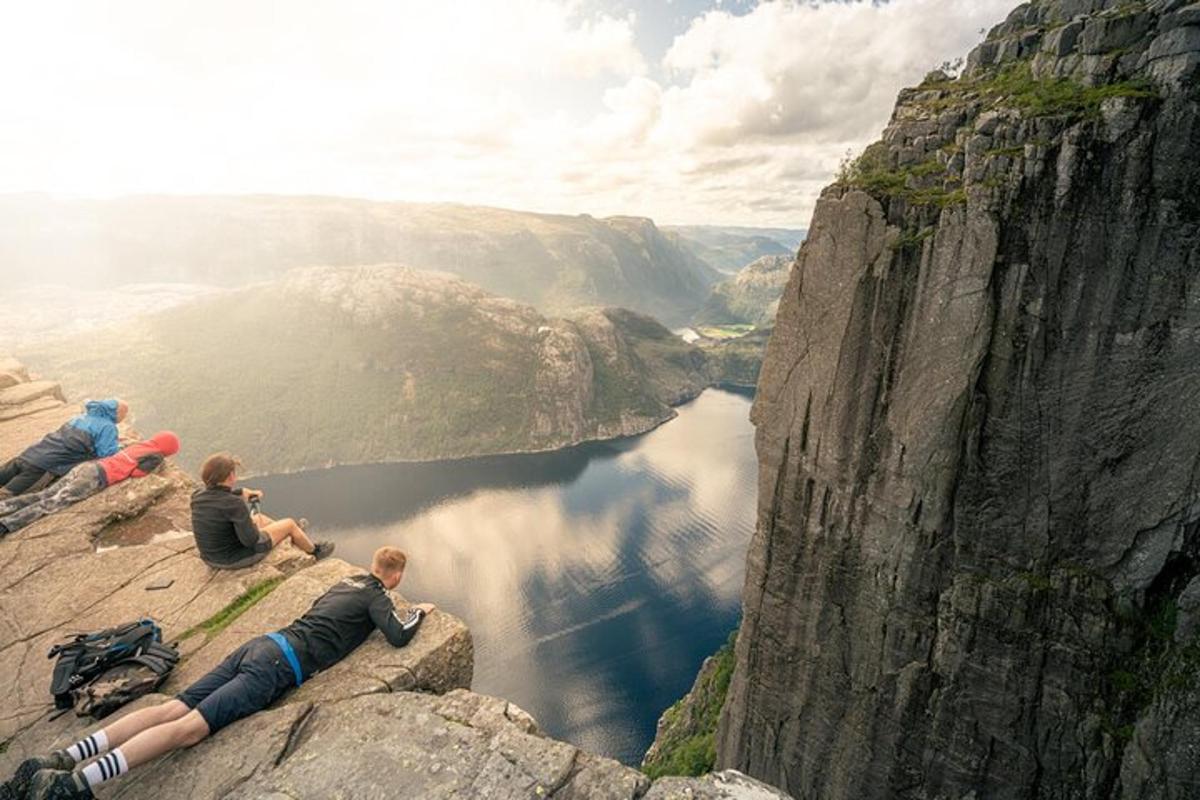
{"points": [[686, 743], [1015, 86]]}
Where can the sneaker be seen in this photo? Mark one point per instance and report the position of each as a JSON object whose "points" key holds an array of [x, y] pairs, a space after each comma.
{"points": [[322, 550], [59, 784], [18, 784], [303, 523]]}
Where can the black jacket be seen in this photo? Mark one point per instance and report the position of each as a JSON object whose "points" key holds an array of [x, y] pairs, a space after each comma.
{"points": [[225, 534], [343, 618]]}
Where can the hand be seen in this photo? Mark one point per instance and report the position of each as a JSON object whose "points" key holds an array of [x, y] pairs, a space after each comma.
{"points": [[428, 608], [251, 494]]}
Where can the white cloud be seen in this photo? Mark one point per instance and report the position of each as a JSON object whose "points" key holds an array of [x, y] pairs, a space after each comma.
{"points": [[544, 104]]}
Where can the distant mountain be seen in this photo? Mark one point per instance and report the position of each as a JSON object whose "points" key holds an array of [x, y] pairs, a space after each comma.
{"points": [[751, 297], [352, 365], [729, 248], [553, 262]]}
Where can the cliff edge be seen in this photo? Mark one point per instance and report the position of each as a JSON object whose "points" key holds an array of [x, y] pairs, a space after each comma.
{"points": [[975, 566], [382, 723]]}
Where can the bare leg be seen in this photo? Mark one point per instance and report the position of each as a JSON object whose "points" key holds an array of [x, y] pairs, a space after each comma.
{"points": [[261, 520], [153, 742], [288, 529], [143, 719]]}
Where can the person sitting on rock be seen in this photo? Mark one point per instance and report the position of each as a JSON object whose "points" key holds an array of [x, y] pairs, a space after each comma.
{"points": [[87, 479], [248, 680], [227, 535], [92, 434]]}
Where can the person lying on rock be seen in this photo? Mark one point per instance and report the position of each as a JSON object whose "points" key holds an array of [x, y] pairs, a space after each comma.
{"points": [[227, 535], [248, 680], [87, 479], [92, 434]]}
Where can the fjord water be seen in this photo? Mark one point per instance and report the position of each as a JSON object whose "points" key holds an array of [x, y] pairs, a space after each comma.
{"points": [[594, 580]]}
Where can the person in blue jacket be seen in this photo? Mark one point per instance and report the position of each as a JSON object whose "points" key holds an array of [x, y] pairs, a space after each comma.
{"points": [[91, 435]]}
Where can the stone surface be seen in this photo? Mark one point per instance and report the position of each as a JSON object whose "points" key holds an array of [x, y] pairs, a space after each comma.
{"points": [[440, 658], [979, 443], [725, 785]]}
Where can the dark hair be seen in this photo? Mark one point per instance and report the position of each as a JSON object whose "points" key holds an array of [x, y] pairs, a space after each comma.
{"points": [[217, 468]]}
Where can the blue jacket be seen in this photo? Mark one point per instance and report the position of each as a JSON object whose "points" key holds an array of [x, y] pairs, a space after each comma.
{"points": [[92, 434]]}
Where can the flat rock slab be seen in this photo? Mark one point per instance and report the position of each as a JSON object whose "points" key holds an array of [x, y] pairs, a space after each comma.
{"points": [[218, 766], [21, 394], [725, 785], [106, 589], [13, 370], [439, 658], [18, 431], [397, 745]]}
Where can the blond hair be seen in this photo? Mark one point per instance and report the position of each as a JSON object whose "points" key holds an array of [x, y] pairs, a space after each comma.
{"points": [[388, 560]]}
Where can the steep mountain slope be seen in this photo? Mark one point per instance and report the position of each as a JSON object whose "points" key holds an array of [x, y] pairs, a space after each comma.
{"points": [[975, 571], [552, 261], [751, 296], [729, 248], [375, 364]]}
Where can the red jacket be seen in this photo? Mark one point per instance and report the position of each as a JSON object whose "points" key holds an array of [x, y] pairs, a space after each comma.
{"points": [[139, 459]]}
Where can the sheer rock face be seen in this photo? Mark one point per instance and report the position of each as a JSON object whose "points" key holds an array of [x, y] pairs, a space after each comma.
{"points": [[974, 571]]}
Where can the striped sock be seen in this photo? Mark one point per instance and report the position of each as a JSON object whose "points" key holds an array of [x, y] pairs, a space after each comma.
{"points": [[105, 768], [87, 748]]}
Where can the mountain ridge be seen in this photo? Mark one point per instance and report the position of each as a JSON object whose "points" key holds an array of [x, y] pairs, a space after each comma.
{"points": [[381, 364], [555, 262]]}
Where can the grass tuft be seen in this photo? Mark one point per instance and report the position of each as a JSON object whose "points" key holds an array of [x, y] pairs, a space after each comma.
{"points": [[222, 619]]}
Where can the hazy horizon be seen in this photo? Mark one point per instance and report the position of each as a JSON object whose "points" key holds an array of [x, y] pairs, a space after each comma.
{"points": [[100, 197]]}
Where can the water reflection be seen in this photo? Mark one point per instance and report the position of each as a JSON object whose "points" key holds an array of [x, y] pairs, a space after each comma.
{"points": [[595, 581]]}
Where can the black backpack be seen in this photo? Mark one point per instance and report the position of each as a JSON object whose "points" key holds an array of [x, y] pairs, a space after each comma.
{"points": [[100, 672]]}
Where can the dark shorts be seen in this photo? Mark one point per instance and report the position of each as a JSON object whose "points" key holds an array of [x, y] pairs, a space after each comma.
{"points": [[261, 548], [248, 680]]}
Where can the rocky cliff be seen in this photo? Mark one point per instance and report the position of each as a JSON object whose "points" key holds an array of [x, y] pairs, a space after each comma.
{"points": [[369, 364], [382, 723], [975, 566]]}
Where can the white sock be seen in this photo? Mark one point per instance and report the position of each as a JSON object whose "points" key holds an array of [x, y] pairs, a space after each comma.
{"points": [[90, 747], [105, 768]]}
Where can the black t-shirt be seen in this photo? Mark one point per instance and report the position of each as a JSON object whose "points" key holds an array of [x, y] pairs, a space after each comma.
{"points": [[343, 618], [224, 532]]}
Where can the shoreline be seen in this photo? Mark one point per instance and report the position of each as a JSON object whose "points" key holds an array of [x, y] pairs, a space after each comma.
{"points": [[563, 449]]}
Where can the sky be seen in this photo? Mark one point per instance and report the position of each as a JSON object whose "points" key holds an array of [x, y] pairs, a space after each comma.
{"points": [[686, 111]]}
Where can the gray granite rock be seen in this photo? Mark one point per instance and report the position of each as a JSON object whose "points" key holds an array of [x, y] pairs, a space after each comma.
{"points": [[978, 435], [725, 785]]}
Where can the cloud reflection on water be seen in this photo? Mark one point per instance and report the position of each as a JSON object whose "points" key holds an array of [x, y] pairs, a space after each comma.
{"points": [[594, 581]]}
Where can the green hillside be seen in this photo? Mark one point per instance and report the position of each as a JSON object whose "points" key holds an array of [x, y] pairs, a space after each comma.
{"points": [[751, 297], [379, 363]]}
